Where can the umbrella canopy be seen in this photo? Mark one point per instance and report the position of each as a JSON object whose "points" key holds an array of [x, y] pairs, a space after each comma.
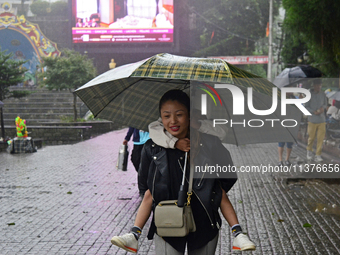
{"points": [[334, 95], [292, 75], [130, 94]]}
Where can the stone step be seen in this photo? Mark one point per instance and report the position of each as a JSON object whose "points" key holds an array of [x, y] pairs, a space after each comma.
{"points": [[39, 99], [33, 115], [40, 105], [30, 122], [38, 90], [38, 110], [49, 94]]}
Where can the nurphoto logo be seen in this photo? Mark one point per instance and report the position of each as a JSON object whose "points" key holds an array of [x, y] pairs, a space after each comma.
{"points": [[239, 104]]}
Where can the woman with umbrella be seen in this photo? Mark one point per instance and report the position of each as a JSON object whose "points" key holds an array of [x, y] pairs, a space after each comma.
{"points": [[209, 194]]}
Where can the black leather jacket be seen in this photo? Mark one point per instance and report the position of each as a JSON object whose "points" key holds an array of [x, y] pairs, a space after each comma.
{"points": [[154, 175]]}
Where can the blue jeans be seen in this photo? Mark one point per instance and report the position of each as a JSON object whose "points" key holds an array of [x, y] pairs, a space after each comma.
{"points": [[289, 145]]}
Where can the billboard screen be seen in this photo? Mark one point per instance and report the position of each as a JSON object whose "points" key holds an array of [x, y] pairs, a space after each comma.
{"points": [[122, 21]]}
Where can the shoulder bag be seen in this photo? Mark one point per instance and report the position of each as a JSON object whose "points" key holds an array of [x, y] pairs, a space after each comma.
{"points": [[174, 218]]}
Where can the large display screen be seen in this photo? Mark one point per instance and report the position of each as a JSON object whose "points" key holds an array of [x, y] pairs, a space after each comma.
{"points": [[122, 21]]}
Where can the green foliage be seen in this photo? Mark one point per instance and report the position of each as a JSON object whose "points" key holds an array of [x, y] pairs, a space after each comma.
{"points": [[20, 93], [23, 9], [69, 119], [293, 47], [11, 73], [256, 69], [59, 8], [231, 27], [40, 8], [70, 71], [315, 23]]}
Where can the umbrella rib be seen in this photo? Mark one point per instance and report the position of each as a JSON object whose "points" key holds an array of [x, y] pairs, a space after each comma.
{"points": [[166, 81], [229, 117], [117, 96]]}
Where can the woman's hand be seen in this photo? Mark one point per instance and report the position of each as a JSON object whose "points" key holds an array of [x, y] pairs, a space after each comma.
{"points": [[183, 144]]}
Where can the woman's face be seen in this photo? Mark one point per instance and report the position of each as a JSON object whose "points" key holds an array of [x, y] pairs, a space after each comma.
{"points": [[175, 118]]}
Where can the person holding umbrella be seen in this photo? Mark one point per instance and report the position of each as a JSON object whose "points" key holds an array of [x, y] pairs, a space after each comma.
{"points": [[209, 193], [317, 121]]}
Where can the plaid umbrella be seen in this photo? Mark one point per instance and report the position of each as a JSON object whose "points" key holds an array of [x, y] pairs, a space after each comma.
{"points": [[130, 94]]}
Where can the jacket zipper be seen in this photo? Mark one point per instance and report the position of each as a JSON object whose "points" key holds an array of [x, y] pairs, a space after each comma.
{"points": [[211, 222], [153, 184], [199, 184], [206, 211]]}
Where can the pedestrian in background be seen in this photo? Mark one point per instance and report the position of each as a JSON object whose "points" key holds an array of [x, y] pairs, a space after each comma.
{"points": [[139, 138], [289, 149], [289, 145], [317, 121]]}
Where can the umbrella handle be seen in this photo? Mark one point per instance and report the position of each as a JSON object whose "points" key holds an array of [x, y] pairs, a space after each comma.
{"points": [[181, 196]]}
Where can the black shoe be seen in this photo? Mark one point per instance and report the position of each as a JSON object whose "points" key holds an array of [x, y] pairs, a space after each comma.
{"points": [[281, 163], [287, 163]]}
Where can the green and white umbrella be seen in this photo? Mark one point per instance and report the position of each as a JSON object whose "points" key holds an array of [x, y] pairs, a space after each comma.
{"points": [[129, 94]]}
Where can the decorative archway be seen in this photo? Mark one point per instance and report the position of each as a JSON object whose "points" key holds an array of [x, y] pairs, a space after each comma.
{"points": [[26, 41]]}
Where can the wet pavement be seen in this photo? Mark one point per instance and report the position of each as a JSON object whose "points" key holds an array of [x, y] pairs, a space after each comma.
{"points": [[71, 199]]}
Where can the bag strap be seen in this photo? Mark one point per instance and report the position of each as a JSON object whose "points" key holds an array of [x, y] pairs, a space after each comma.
{"points": [[191, 178], [181, 193]]}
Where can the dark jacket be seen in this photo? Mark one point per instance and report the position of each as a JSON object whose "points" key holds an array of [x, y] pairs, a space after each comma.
{"points": [[135, 133], [154, 175]]}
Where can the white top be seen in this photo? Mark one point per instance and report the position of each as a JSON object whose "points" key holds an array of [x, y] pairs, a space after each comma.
{"points": [[334, 112]]}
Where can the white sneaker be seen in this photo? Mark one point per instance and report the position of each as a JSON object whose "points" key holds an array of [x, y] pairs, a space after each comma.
{"points": [[318, 158], [242, 243], [127, 242], [309, 155]]}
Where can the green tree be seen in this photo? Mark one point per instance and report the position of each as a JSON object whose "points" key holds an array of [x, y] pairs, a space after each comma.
{"points": [[22, 10], [70, 71], [231, 27], [11, 73], [316, 23], [40, 8], [293, 47]]}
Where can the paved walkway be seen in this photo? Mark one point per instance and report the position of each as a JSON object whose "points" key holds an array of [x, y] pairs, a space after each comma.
{"points": [[70, 199]]}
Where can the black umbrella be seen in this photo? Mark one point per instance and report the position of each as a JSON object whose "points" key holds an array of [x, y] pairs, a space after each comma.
{"points": [[295, 74]]}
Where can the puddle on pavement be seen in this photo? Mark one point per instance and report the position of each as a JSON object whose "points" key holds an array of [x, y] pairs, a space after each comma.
{"points": [[314, 206], [333, 209]]}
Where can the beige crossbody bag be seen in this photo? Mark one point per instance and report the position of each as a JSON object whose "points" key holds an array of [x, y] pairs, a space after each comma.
{"points": [[174, 218]]}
